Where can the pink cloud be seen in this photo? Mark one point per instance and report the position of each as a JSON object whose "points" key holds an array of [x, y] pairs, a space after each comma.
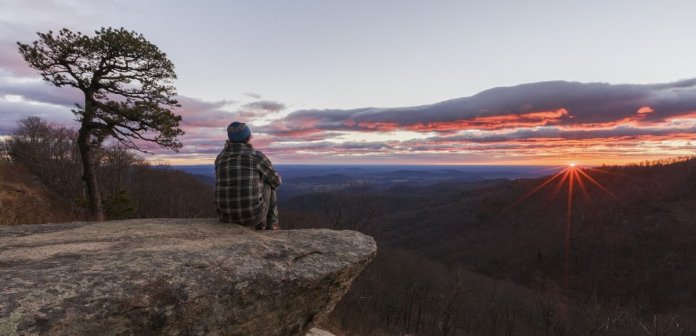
{"points": [[199, 113]]}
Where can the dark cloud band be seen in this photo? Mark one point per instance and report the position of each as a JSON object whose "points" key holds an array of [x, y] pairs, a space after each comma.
{"points": [[557, 103]]}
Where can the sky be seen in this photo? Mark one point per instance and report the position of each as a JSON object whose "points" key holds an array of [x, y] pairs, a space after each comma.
{"points": [[397, 81]]}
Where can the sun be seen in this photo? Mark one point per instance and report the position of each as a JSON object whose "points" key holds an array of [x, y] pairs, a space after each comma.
{"points": [[574, 177]]}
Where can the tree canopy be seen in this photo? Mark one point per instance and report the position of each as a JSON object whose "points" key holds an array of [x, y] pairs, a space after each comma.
{"points": [[127, 83]]}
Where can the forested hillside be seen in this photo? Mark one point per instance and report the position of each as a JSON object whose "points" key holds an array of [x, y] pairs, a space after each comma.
{"points": [[478, 261], [41, 162]]}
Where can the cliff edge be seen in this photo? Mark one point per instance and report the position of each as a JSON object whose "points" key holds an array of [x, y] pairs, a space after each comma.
{"points": [[172, 277]]}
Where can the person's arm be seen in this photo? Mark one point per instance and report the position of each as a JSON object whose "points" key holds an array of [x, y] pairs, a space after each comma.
{"points": [[268, 174]]}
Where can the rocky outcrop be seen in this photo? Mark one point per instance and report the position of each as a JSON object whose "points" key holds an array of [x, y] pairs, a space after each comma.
{"points": [[172, 277]]}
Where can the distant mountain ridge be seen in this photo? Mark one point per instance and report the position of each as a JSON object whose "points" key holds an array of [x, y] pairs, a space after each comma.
{"points": [[302, 179], [512, 171], [327, 179]]}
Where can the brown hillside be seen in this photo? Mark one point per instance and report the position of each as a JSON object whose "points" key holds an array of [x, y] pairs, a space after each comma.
{"points": [[24, 199]]}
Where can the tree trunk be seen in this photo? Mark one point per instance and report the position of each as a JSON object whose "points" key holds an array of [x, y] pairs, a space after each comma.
{"points": [[89, 179]]}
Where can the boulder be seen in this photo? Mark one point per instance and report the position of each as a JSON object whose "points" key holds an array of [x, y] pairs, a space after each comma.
{"points": [[172, 277]]}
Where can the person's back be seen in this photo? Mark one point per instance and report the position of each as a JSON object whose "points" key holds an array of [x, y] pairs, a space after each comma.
{"points": [[245, 182]]}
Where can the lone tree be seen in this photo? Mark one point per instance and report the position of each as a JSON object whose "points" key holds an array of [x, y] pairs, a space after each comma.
{"points": [[127, 86]]}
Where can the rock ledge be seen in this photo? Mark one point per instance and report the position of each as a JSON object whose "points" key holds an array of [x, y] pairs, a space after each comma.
{"points": [[172, 277]]}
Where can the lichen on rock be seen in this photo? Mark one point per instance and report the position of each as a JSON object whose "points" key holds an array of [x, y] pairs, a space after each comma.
{"points": [[172, 277]]}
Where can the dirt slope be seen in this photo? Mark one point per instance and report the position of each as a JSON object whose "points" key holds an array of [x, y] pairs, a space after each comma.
{"points": [[25, 200]]}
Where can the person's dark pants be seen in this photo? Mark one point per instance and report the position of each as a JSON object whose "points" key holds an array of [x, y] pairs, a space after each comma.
{"points": [[268, 218]]}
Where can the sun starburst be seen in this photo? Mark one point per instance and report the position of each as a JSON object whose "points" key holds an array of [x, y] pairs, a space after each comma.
{"points": [[572, 177]]}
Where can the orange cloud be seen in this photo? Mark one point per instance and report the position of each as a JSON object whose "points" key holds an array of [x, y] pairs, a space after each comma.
{"points": [[645, 109], [532, 119]]}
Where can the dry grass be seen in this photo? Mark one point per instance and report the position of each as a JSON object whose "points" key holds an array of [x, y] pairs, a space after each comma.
{"points": [[25, 200]]}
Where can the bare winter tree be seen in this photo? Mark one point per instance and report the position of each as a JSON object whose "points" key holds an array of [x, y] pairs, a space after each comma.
{"points": [[126, 82]]}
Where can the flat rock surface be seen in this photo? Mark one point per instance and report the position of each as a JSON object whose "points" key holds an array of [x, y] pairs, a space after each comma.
{"points": [[172, 277]]}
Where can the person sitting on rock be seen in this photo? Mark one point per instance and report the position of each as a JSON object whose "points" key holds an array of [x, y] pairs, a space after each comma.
{"points": [[245, 182]]}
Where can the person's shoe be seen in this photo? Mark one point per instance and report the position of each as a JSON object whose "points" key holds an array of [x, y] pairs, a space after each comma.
{"points": [[273, 227], [260, 226]]}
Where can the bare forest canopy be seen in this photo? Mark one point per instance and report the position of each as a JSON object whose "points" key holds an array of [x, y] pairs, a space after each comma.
{"points": [[130, 187], [472, 260]]}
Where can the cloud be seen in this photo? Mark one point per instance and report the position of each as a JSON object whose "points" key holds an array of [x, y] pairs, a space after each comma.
{"points": [[556, 103], [36, 90], [260, 108], [320, 145], [21, 98], [200, 113], [13, 111], [21, 19], [622, 131], [537, 122]]}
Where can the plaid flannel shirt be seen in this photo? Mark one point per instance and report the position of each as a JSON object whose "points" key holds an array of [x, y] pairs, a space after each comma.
{"points": [[240, 172]]}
